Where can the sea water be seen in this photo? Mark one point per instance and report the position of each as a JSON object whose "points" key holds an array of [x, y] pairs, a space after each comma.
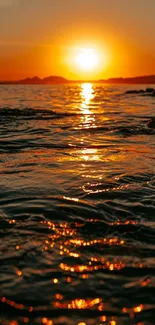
{"points": [[77, 205]]}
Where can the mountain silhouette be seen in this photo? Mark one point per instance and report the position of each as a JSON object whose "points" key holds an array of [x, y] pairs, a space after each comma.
{"points": [[38, 81], [60, 80]]}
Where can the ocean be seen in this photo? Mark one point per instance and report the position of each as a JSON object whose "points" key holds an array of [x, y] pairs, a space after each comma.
{"points": [[77, 205]]}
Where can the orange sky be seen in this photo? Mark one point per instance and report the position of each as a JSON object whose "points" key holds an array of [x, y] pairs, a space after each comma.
{"points": [[42, 37]]}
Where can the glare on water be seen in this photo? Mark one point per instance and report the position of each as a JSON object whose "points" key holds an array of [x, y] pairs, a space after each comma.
{"points": [[77, 206]]}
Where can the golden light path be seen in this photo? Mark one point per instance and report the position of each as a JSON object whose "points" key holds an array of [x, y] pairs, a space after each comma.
{"points": [[87, 94], [88, 119]]}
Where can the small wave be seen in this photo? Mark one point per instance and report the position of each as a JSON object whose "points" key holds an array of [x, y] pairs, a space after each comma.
{"points": [[133, 130], [27, 113], [77, 207]]}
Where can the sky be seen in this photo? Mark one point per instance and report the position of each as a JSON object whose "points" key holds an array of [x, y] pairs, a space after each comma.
{"points": [[43, 37]]}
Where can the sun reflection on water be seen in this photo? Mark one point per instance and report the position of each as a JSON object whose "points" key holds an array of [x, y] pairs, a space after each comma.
{"points": [[87, 95], [87, 119]]}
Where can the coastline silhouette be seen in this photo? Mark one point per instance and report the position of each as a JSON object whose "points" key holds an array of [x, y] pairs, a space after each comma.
{"points": [[150, 79]]}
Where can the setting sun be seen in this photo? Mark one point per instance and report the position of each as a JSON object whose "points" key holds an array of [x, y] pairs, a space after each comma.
{"points": [[87, 59]]}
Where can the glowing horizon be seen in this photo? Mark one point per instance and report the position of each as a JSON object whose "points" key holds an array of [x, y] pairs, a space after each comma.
{"points": [[52, 41]]}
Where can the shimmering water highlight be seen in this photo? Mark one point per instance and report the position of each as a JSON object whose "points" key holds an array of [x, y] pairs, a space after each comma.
{"points": [[77, 208]]}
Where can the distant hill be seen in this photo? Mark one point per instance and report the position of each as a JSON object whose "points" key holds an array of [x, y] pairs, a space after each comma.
{"points": [[47, 80], [133, 80], [60, 80], [38, 81]]}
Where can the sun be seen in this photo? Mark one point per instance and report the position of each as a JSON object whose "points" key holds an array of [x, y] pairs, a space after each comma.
{"points": [[87, 59]]}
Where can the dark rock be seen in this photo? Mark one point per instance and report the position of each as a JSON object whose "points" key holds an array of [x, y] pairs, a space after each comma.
{"points": [[131, 92], [150, 90], [147, 92], [151, 123], [141, 91]]}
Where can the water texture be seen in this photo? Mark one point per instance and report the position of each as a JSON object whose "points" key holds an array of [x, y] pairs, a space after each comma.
{"points": [[77, 206]]}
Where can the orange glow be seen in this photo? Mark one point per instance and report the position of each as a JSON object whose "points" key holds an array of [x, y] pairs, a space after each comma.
{"points": [[112, 322], [79, 304], [19, 273], [85, 276], [65, 31], [86, 60], [138, 309], [58, 296], [47, 321], [12, 221], [3, 299], [145, 282], [124, 310], [30, 309]]}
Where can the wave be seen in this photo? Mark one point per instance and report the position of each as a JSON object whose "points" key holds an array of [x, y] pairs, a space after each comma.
{"points": [[77, 207]]}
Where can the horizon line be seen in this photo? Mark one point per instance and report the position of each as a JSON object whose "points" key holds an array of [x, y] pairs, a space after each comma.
{"points": [[59, 79]]}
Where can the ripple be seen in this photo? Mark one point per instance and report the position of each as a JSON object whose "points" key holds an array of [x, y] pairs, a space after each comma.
{"points": [[77, 206]]}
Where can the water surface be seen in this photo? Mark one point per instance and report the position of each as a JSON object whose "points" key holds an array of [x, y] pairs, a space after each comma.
{"points": [[77, 206]]}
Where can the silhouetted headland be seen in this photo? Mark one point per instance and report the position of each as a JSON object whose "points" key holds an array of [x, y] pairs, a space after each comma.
{"points": [[38, 81], [60, 80], [133, 80]]}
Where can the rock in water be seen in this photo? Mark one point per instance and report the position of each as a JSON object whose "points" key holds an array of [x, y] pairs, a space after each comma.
{"points": [[150, 90], [151, 123], [146, 92], [131, 92], [141, 91]]}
